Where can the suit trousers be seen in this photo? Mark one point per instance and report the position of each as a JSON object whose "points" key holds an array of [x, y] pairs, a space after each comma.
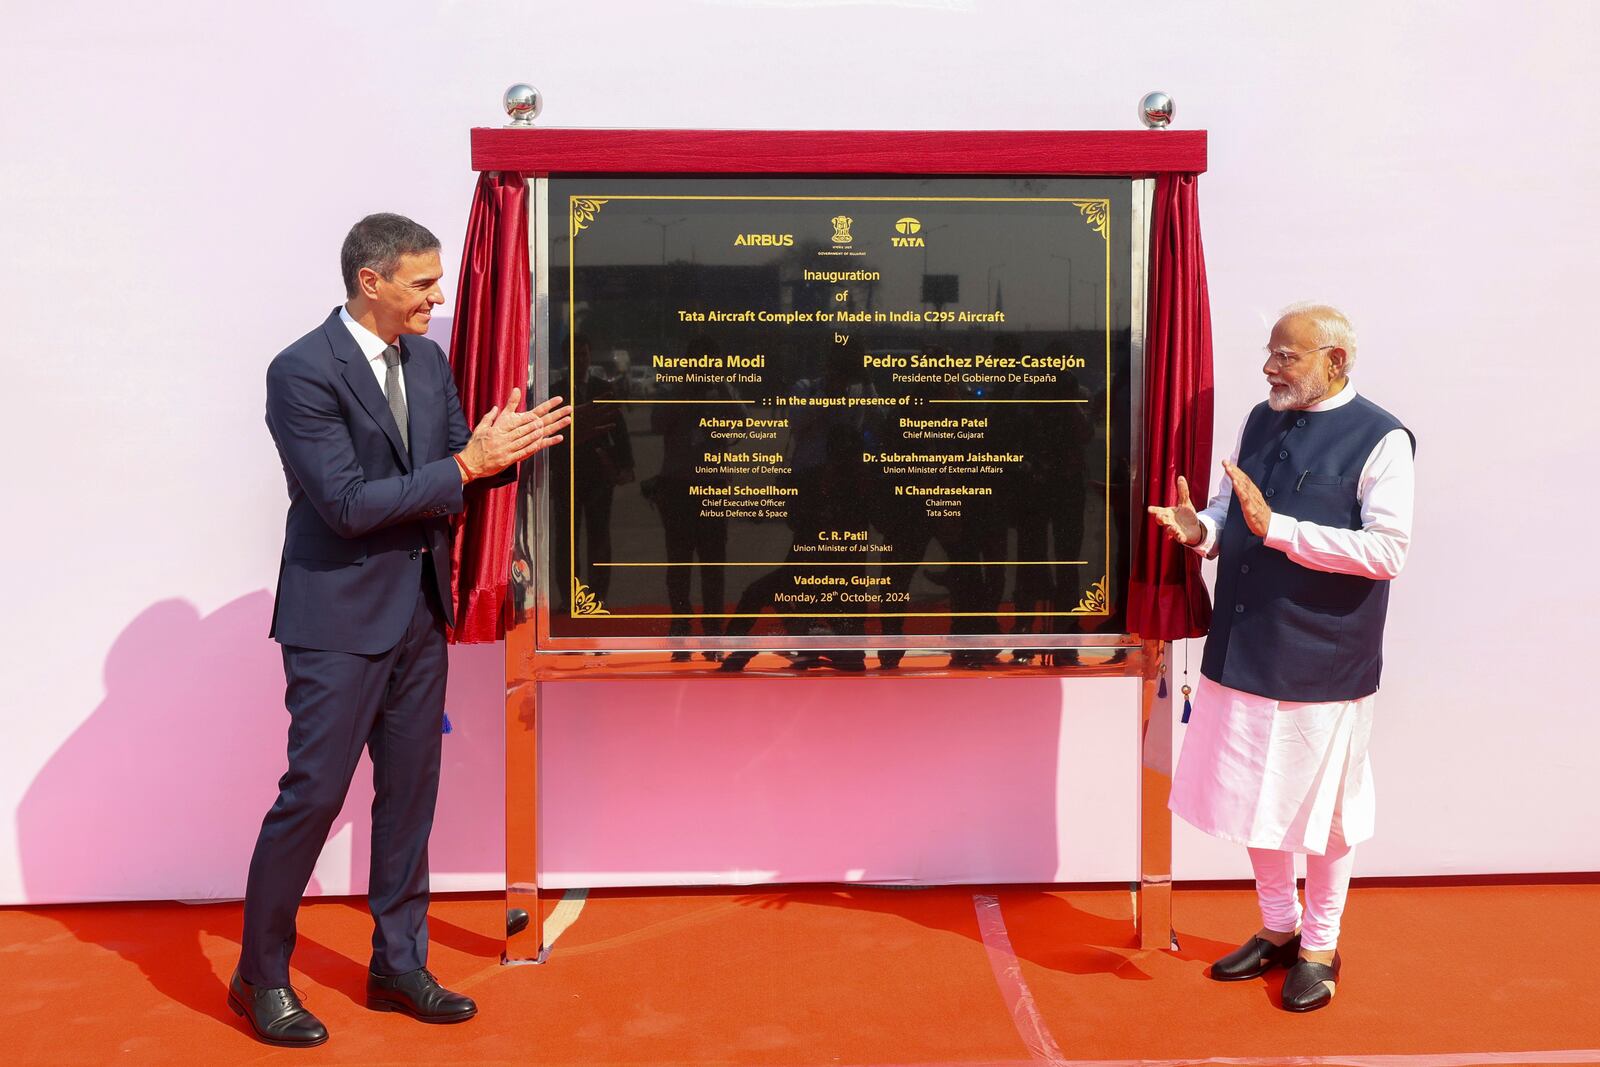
{"points": [[391, 704]]}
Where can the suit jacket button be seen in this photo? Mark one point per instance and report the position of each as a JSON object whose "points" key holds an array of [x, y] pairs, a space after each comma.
{"points": [[1238, 609], [416, 552], [1272, 492]]}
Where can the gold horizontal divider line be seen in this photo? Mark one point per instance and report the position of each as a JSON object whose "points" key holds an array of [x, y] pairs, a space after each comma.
{"points": [[873, 615], [874, 199], [869, 563], [758, 403]]}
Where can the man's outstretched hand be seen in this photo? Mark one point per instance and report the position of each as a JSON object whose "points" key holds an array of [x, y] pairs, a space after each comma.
{"points": [[505, 435], [1256, 512], [1181, 522]]}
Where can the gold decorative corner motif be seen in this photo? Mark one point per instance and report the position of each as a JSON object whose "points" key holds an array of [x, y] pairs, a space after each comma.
{"points": [[1095, 601], [584, 602], [1097, 213], [584, 210]]}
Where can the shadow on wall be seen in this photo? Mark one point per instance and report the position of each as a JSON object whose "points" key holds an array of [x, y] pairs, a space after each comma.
{"points": [[160, 792]]}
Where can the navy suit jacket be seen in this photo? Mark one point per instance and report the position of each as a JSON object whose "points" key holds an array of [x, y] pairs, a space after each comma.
{"points": [[361, 507]]}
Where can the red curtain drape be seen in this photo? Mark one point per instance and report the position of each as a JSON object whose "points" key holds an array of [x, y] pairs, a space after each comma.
{"points": [[1166, 598], [488, 357]]}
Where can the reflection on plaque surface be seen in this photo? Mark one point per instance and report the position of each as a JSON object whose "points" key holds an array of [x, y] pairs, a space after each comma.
{"points": [[883, 408]]}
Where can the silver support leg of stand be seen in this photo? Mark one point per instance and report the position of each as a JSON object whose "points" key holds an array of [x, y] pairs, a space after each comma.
{"points": [[524, 942], [1155, 783]]}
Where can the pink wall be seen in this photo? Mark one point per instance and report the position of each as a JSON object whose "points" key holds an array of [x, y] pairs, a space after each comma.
{"points": [[790, 780], [176, 179]]}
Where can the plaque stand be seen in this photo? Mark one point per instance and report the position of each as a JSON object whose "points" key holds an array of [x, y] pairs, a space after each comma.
{"points": [[1145, 661]]}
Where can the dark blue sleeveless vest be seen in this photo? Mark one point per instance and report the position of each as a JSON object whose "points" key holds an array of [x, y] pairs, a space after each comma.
{"points": [[1281, 630]]}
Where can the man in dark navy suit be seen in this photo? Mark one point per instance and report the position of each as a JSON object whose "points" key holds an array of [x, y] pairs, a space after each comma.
{"points": [[377, 455]]}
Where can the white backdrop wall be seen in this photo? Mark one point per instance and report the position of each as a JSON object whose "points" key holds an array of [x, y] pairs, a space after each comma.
{"points": [[174, 183]]}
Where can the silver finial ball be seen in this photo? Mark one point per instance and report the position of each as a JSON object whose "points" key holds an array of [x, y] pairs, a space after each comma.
{"points": [[1155, 110], [523, 104]]}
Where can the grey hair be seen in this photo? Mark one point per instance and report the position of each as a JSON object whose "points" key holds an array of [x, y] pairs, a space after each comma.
{"points": [[377, 242], [1333, 328]]}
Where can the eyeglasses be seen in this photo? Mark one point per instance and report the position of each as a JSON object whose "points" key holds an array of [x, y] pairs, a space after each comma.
{"points": [[1284, 357]]}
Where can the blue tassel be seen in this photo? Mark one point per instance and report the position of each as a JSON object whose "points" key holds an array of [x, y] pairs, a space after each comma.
{"points": [[1161, 690], [1186, 692], [448, 727]]}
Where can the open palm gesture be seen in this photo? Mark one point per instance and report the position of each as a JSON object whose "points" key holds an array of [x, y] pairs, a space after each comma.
{"points": [[1180, 521]]}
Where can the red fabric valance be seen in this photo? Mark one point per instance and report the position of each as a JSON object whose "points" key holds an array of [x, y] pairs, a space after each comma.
{"points": [[488, 357], [551, 150], [1166, 598]]}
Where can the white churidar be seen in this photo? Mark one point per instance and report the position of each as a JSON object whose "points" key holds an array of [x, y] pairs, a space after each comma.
{"points": [[1327, 888]]}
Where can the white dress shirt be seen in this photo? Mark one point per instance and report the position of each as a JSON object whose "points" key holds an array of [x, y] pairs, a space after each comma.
{"points": [[372, 347], [1385, 490]]}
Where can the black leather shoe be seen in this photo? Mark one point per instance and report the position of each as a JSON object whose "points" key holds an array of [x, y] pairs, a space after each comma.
{"points": [[848, 662], [419, 995], [1303, 989], [1254, 958], [275, 1014]]}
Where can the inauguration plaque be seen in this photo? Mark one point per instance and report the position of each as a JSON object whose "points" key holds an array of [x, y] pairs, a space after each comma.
{"points": [[890, 412]]}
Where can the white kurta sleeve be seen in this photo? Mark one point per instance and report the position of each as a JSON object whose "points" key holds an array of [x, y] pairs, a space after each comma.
{"points": [[1377, 550]]}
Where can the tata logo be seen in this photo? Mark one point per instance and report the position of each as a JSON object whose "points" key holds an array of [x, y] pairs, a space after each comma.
{"points": [[841, 229], [907, 230]]}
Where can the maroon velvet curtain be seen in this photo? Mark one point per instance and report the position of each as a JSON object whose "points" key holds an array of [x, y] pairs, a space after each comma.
{"points": [[488, 357], [1166, 598]]}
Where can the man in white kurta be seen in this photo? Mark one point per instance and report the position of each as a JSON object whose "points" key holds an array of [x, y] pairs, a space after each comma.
{"points": [[1277, 761]]}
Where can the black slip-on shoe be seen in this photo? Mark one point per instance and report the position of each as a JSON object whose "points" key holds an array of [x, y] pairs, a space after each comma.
{"points": [[1303, 989], [1254, 958]]}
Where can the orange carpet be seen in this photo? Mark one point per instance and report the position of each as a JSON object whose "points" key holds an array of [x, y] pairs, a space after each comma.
{"points": [[857, 977]]}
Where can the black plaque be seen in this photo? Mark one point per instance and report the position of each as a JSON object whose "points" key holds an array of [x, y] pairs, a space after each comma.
{"points": [[866, 409]]}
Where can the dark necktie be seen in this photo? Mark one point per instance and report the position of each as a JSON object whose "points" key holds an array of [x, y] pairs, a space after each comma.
{"points": [[397, 394]]}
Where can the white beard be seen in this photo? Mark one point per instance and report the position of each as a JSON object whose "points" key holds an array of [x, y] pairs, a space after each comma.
{"points": [[1288, 397]]}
